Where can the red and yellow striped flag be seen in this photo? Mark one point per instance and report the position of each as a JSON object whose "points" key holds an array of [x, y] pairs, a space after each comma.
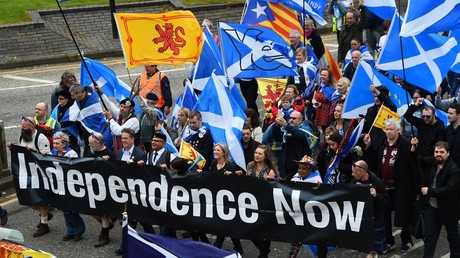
{"points": [[166, 38], [286, 20]]}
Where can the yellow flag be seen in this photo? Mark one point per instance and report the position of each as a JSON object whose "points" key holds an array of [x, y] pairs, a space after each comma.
{"points": [[384, 114], [170, 38], [271, 90], [188, 152]]}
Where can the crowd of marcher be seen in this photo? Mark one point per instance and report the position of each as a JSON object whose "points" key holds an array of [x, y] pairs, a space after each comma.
{"points": [[410, 162]]}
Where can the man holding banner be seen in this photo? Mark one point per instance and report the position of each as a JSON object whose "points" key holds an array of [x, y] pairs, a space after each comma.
{"points": [[400, 178]]}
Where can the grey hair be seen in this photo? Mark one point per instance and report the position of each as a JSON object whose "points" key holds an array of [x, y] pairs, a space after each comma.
{"points": [[63, 137], [207, 22], [392, 121], [76, 88], [296, 33]]}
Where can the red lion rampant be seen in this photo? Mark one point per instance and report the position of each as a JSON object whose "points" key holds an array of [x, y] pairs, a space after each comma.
{"points": [[170, 38]]}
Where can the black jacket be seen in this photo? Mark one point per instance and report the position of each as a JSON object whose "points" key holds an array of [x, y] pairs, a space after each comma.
{"points": [[447, 186], [407, 177], [453, 138], [428, 135]]}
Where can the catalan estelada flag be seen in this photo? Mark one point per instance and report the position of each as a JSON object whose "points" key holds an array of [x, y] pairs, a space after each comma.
{"points": [[188, 152], [275, 16], [170, 38], [384, 114]]}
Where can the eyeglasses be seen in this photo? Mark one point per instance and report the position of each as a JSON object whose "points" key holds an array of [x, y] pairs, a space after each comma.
{"points": [[157, 140], [27, 119], [95, 137], [426, 117], [358, 166]]}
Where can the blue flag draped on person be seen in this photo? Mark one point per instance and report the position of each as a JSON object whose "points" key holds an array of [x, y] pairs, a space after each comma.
{"points": [[427, 57], [384, 9], [89, 114], [315, 8], [360, 98], [430, 17], [107, 80], [223, 116], [331, 176], [210, 60], [251, 52], [138, 244]]}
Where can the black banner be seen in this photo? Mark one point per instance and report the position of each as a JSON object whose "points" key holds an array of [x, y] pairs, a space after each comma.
{"points": [[238, 206]]}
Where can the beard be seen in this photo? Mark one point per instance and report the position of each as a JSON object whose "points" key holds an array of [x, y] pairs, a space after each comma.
{"points": [[439, 160], [26, 135]]}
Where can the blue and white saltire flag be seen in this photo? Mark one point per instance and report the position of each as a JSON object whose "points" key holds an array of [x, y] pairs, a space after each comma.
{"points": [[315, 8], [90, 115], [223, 117], [427, 57], [72, 128], [430, 17], [169, 143], [177, 106], [210, 60], [456, 66], [187, 99], [107, 80], [439, 113], [365, 56], [138, 244], [252, 52], [360, 98], [384, 9], [236, 94], [352, 140]]}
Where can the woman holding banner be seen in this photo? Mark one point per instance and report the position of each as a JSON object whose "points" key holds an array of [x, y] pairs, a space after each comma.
{"points": [[223, 165], [74, 222], [263, 167]]}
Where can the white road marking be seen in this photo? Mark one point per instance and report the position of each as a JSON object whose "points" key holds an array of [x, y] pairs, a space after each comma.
{"points": [[21, 78], [51, 83], [331, 45], [11, 127], [28, 87]]}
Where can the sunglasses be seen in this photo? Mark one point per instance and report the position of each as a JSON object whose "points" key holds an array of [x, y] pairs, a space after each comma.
{"points": [[426, 117], [294, 118], [95, 137], [27, 119]]}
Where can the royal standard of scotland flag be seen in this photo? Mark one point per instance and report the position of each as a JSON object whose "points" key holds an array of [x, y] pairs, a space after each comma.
{"points": [[360, 97], [252, 52], [223, 117], [427, 57]]}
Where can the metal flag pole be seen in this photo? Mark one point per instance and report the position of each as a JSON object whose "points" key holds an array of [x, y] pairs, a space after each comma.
{"points": [[79, 51]]}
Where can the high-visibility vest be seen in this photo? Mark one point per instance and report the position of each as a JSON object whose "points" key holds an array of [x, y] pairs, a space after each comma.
{"points": [[152, 85]]}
